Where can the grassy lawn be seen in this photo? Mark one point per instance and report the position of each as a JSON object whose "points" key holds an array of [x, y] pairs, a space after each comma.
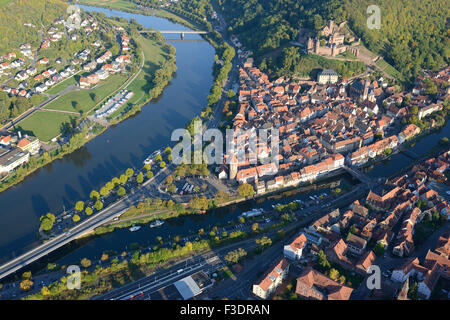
{"points": [[154, 55], [112, 4], [386, 67], [44, 125], [86, 99], [62, 85], [347, 55], [5, 2]]}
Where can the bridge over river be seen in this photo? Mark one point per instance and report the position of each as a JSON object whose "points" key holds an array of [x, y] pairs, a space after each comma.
{"points": [[181, 32]]}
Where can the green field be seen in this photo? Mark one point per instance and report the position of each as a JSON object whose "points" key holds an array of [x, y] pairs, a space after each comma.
{"points": [[44, 125], [154, 55], [86, 99], [386, 67], [5, 2], [112, 4], [62, 85]]}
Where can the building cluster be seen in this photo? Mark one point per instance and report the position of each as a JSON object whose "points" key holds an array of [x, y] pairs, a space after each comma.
{"points": [[334, 37], [397, 202], [16, 150], [435, 266], [322, 127], [31, 82], [350, 252], [241, 50], [311, 284], [386, 218], [105, 69]]}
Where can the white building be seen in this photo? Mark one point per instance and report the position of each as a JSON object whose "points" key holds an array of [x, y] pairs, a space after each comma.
{"points": [[267, 285], [11, 159], [294, 250], [327, 76]]}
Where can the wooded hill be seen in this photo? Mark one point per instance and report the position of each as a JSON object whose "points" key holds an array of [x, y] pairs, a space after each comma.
{"points": [[14, 14], [413, 35]]}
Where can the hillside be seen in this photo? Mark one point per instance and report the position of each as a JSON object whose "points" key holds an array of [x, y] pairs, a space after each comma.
{"points": [[414, 34], [14, 14]]}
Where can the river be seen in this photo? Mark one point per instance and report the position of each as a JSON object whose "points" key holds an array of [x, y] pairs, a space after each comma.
{"points": [[72, 178], [127, 144]]}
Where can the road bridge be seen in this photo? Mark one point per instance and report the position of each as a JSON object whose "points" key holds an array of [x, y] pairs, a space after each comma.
{"points": [[180, 32]]}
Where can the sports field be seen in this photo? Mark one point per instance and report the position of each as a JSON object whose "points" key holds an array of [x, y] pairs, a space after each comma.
{"points": [[44, 125]]}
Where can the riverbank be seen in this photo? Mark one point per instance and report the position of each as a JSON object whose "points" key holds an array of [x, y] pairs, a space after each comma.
{"points": [[127, 6], [158, 58]]}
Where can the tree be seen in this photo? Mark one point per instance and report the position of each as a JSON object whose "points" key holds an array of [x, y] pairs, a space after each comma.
{"points": [[149, 174], [221, 196], [235, 255], [246, 190], [104, 191], [158, 158], [79, 206], [334, 274], [379, 249], [140, 178], [121, 191], [162, 164], [47, 221], [45, 291], [115, 181], [255, 227], [123, 179], [98, 205], [322, 261], [26, 275], [86, 263], [94, 195], [88, 211], [76, 218], [129, 172], [264, 241], [230, 94], [26, 285], [413, 291]]}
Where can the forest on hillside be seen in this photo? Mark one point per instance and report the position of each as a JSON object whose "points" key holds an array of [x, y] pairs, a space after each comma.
{"points": [[15, 14], [413, 35]]}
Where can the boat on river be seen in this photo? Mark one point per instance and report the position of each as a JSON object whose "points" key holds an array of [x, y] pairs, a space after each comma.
{"points": [[151, 158], [135, 228], [156, 223], [252, 213]]}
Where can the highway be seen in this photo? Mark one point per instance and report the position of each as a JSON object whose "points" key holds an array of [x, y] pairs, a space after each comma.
{"points": [[149, 188], [47, 247]]}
